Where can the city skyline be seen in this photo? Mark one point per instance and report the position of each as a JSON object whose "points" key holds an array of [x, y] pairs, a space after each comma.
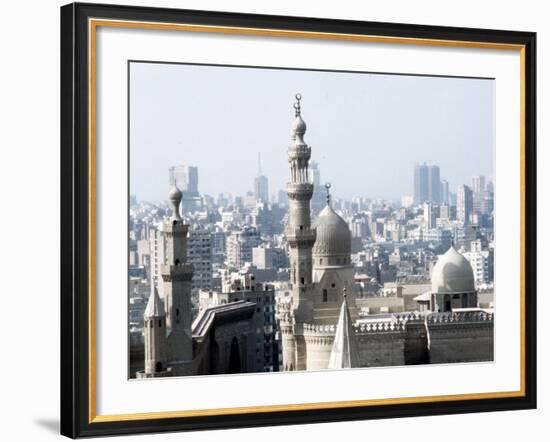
{"points": [[221, 288], [245, 134]]}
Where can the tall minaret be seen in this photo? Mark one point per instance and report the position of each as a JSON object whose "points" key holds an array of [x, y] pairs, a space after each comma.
{"points": [[154, 332], [300, 235], [176, 276]]}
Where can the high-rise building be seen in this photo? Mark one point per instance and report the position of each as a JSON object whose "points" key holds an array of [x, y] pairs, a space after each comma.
{"points": [[318, 198], [464, 204], [199, 253], [481, 263], [431, 213], [239, 245], [444, 196], [261, 184], [434, 185], [478, 190], [186, 178], [421, 183], [478, 184]]}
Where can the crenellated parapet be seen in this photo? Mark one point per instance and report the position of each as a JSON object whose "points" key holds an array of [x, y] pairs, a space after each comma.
{"points": [[316, 334], [410, 316], [380, 327], [453, 322], [459, 317]]}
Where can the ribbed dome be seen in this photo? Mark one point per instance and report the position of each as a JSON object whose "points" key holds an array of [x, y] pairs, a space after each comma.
{"points": [[452, 274], [333, 234]]}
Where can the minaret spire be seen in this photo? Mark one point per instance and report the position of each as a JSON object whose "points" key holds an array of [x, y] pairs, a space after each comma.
{"points": [[327, 187], [344, 349], [297, 107]]}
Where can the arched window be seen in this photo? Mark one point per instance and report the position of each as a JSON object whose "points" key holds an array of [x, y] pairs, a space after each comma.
{"points": [[325, 295], [151, 324], [160, 322], [158, 367], [177, 262]]}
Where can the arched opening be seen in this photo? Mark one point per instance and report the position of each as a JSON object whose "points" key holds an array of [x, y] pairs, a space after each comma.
{"points": [[447, 303], [464, 300], [158, 367], [325, 295], [234, 357], [177, 262]]}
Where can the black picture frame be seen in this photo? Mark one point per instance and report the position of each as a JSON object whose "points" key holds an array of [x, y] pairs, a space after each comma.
{"points": [[76, 418]]}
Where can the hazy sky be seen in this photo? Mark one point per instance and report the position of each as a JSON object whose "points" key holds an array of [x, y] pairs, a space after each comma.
{"points": [[366, 130]]}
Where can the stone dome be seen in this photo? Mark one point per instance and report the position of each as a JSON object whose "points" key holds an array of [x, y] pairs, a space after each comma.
{"points": [[452, 274], [175, 194], [333, 234], [299, 126]]}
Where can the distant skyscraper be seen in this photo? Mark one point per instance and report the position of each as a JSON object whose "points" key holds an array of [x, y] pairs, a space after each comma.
{"points": [[434, 185], [261, 185], [478, 189], [444, 192], [421, 183], [185, 177], [464, 204], [318, 198], [430, 215], [478, 184]]}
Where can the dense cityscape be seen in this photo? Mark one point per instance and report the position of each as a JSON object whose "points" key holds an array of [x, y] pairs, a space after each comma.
{"points": [[240, 251]]}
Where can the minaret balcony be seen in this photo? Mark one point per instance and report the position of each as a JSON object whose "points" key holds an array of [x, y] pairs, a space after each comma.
{"points": [[174, 227], [299, 151], [304, 236], [300, 191], [177, 272]]}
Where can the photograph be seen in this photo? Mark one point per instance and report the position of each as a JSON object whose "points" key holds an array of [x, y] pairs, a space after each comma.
{"points": [[284, 219]]}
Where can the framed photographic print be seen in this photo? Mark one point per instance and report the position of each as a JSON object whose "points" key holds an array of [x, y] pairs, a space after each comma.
{"points": [[274, 220]]}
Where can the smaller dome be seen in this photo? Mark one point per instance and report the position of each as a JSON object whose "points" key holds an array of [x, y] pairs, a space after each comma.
{"points": [[333, 236], [299, 126], [175, 194], [452, 274]]}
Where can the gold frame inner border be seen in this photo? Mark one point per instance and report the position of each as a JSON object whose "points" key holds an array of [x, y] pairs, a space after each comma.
{"points": [[93, 24]]}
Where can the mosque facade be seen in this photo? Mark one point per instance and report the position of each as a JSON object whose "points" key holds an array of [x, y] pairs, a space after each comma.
{"points": [[319, 323]]}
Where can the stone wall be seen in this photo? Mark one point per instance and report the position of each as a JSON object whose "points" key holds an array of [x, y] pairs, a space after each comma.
{"points": [[461, 337]]}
